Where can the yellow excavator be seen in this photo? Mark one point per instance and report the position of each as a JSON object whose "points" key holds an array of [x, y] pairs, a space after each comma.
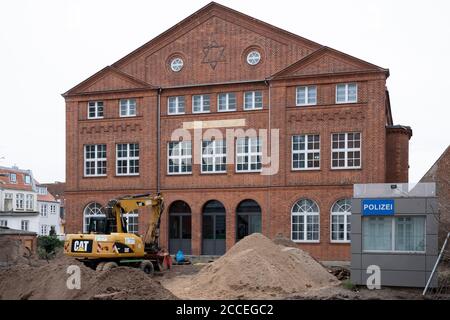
{"points": [[108, 244]]}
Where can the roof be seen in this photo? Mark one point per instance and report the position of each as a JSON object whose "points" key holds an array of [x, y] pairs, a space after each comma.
{"points": [[8, 231], [5, 182], [431, 172], [46, 197]]}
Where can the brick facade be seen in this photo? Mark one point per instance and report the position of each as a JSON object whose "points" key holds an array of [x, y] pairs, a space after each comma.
{"points": [[213, 44]]}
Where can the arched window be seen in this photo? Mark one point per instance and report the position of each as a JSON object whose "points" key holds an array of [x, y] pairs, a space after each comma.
{"points": [[305, 221], [93, 209], [340, 220]]}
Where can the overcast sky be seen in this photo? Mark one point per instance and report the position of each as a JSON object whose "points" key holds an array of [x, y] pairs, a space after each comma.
{"points": [[47, 47]]}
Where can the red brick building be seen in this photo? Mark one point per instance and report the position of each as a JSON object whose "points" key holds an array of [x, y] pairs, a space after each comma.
{"points": [[326, 113]]}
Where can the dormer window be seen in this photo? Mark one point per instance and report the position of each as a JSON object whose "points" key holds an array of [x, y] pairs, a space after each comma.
{"points": [[12, 177], [27, 179]]}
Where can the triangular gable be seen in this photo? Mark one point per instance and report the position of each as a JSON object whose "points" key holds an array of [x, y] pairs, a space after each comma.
{"points": [[108, 79], [327, 61]]}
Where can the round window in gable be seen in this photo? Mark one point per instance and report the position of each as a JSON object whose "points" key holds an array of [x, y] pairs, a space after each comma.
{"points": [[253, 58], [176, 64]]}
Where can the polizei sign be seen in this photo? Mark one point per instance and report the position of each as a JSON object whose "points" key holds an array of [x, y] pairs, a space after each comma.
{"points": [[378, 207]]}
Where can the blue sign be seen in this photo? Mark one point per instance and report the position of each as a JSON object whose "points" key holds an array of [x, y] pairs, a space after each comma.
{"points": [[378, 207]]}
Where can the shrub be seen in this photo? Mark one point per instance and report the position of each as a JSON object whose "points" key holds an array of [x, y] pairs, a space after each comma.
{"points": [[47, 246]]}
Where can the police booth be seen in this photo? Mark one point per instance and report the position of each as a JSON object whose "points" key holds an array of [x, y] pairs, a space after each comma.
{"points": [[394, 232]]}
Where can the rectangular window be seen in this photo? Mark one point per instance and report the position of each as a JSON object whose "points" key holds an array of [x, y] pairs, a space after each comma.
{"points": [[346, 93], [27, 179], [20, 201], [306, 152], [346, 150], [24, 224], [201, 103], [248, 154], [52, 209], [306, 95], [253, 100], [127, 159], [394, 234], [29, 202], [179, 157], [214, 156], [226, 102], [44, 210], [8, 202], [95, 110], [44, 230], [13, 177], [175, 105], [128, 107], [4, 223], [95, 160]]}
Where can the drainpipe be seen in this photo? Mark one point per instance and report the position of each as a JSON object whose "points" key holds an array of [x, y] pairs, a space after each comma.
{"points": [[269, 145], [158, 143]]}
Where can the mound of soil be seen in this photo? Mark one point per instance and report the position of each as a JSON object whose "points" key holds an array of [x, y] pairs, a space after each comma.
{"points": [[12, 252], [49, 281], [257, 268]]}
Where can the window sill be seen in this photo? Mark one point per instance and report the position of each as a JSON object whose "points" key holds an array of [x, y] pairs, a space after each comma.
{"points": [[307, 242], [131, 116], [224, 111], [176, 114], [96, 118], [253, 109], [243, 172], [179, 174], [200, 112], [126, 175], [306, 105], [340, 242], [214, 173], [303, 170], [346, 102], [350, 168], [98, 176]]}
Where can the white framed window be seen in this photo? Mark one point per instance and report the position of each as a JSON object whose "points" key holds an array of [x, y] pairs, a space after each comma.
{"points": [[394, 234], [29, 202], [12, 177], [306, 96], [176, 64], [27, 179], [226, 102], [305, 221], [93, 209], [53, 209], [42, 190], [214, 156], [340, 220], [346, 93], [127, 157], [201, 103], [306, 152], [127, 107], [253, 57], [249, 154], [95, 160], [44, 210], [346, 150], [132, 221], [179, 156], [253, 100], [44, 230], [95, 109], [20, 201], [8, 202], [24, 225], [175, 105], [4, 223]]}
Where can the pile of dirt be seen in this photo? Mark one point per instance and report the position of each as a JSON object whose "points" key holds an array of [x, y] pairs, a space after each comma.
{"points": [[256, 268], [49, 281]]}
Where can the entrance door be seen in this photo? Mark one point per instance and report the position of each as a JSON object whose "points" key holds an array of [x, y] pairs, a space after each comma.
{"points": [[180, 232], [248, 218], [214, 228]]}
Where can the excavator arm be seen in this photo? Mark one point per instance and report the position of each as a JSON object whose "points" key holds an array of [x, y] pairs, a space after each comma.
{"points": [[117, 207]]}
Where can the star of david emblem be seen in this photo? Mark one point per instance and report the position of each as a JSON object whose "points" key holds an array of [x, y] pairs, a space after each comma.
{"points": [[213, 54]]}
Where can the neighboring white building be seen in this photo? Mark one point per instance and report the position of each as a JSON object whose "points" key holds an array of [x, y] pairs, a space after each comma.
{"points": [[26, 206], [49, 212]]}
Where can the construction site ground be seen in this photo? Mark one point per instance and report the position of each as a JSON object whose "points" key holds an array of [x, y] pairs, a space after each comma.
{"points": [[255, 268]]}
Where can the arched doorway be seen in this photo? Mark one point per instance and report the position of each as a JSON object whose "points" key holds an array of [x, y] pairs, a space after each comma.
{"points": [[180, 231], [213, 228], [248, 217]]}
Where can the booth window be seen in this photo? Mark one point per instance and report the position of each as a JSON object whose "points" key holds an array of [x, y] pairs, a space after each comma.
{"points": [[395, 234]]}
